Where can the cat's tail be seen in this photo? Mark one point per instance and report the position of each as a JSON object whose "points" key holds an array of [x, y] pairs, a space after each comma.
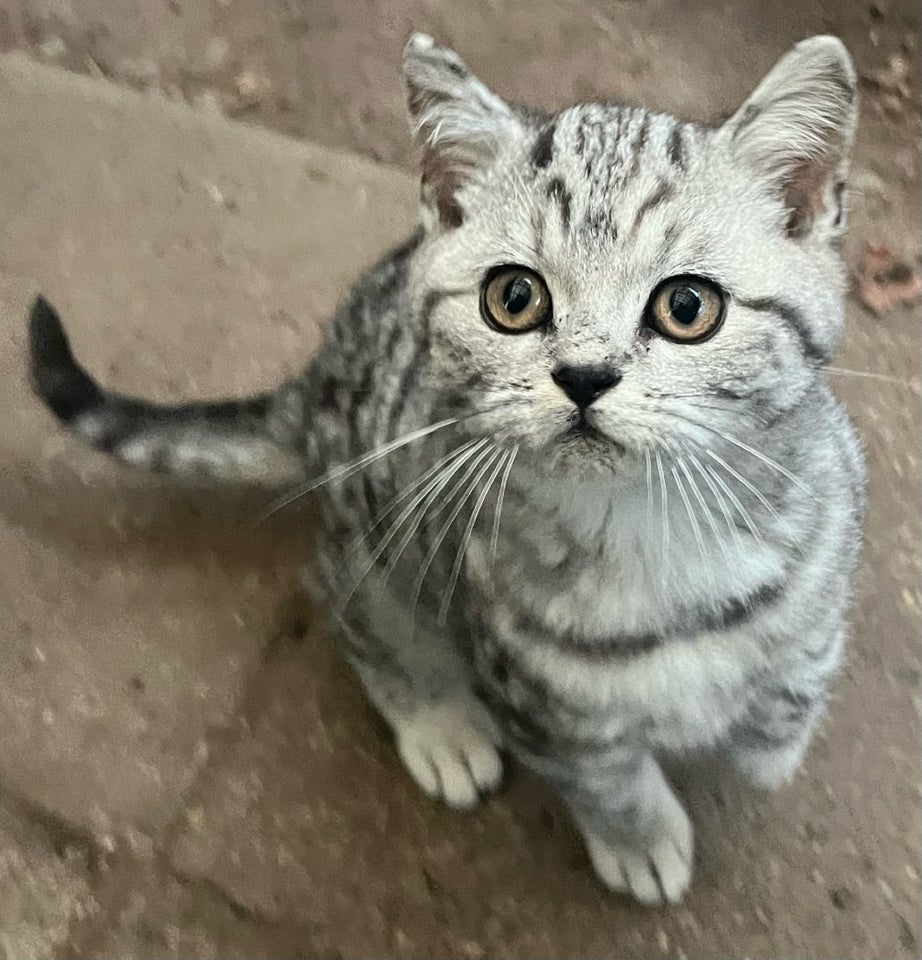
{"points": [[252, 440]]}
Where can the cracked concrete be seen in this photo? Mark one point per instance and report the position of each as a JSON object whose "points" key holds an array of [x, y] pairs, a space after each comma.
{"points": [[186, 767]]}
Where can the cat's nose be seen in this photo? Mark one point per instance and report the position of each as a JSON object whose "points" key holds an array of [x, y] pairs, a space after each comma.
{"points": [[584, 384]]}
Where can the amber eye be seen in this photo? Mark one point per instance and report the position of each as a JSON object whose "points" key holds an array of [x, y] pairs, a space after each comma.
{"points": [[686, 309], [515, 299]]}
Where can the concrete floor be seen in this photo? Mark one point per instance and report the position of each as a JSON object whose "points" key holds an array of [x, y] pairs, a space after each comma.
{"points": [[186, 767]]}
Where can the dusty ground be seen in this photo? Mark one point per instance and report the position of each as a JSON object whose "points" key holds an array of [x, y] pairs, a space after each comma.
{"points": [[185, 767]]}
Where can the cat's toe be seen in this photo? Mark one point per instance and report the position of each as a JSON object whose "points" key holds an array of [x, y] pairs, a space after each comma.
{"points": [[660, 874], [482, 759], [653, 870], [452, 754], [459, 788], [419, 765]]}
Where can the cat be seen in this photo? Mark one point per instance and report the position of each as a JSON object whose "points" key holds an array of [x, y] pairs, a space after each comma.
{"points": [[588, 498]]}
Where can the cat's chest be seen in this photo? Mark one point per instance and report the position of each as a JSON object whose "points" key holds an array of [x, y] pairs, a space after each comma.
{"points": [[597, 631], [575, 587], [610, 568]]}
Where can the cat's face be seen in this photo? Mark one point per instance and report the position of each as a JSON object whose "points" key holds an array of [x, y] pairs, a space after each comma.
{"points": [[609, 283]]}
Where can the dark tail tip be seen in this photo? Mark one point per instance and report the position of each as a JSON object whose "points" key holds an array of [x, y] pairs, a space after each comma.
{"points": [[56, 376]]}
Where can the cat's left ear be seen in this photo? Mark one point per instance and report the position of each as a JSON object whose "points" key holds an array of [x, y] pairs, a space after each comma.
{"points": [[459, 123], [797, 129]]}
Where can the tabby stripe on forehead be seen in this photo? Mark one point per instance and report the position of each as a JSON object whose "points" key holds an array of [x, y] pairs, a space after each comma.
{"points": [[556, 190], [637, 148], [662, 193], [543, 151], [676, 148], [795, 320]]}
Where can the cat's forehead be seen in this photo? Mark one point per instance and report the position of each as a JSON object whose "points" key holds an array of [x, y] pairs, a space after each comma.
{"points": [[608, 167], [595, 183], [607, 144]]}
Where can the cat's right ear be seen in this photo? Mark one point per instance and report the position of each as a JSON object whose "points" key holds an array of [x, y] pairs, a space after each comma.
{"points": [[458, 121], [796, 132]]}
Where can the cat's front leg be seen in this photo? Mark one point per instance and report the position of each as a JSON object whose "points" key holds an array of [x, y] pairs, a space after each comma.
{"points": [[637, 833], [444, 735], [767, 745], [450, 746]]}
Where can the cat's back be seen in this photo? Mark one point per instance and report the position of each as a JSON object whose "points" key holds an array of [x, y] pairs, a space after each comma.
{"points": [[357, 385]]}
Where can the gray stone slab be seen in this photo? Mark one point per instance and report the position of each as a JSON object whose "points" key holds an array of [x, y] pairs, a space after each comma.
{"points": [[43, 888], [191, 258], [146, 913]]}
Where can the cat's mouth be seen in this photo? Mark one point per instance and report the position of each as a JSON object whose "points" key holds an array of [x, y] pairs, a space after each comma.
{"points": [[582, 434]]}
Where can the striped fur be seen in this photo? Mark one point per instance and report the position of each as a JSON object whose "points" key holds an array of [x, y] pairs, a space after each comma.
{"points": [[675, 577], [248, 440]]}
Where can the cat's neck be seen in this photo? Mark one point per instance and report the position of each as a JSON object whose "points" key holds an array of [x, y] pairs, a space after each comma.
{"points": [[629, 552]]}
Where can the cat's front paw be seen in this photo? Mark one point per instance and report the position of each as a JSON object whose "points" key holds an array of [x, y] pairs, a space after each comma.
{"points": [[769, 769], [451, 751], [653, 872]]}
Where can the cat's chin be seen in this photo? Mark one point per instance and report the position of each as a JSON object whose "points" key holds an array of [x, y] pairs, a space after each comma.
{"points": [[582, 451]]}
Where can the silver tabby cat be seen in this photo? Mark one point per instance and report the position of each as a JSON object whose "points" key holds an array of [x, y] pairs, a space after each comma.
{"points": [[589, 499]]}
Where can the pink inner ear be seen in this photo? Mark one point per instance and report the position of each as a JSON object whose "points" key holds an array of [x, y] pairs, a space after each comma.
{"points": [[806, 196], [440, 183]]}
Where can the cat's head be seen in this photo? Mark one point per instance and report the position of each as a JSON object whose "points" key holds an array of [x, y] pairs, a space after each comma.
{"points": [[604, 279]]}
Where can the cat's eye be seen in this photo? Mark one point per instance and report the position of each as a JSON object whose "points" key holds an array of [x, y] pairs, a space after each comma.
{"points": [[686, 309], [514, 299]]}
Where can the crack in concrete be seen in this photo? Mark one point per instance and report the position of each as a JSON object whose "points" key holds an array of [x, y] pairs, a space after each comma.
{"points": [[60, 833]]}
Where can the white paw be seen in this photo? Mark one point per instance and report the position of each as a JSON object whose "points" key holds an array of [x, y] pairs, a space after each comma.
{"points": [[451, 751], [656, 872], [770, 769]]}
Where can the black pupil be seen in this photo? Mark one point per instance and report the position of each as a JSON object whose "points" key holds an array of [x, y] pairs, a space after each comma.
{"points": [[517, 295], [685, 304]]}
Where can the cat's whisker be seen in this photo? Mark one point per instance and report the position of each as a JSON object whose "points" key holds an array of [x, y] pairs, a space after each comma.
{"points": [[398, 523], [718, 496], [346, 470], [648, 472], [693, 520], [406, 492], [450, 496], [740, 509], [420, 517], [751, 487], [871, 375], [705, 507], [665, 509], [746, 448], [494, 536], [446, 526], [499, 462]]}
